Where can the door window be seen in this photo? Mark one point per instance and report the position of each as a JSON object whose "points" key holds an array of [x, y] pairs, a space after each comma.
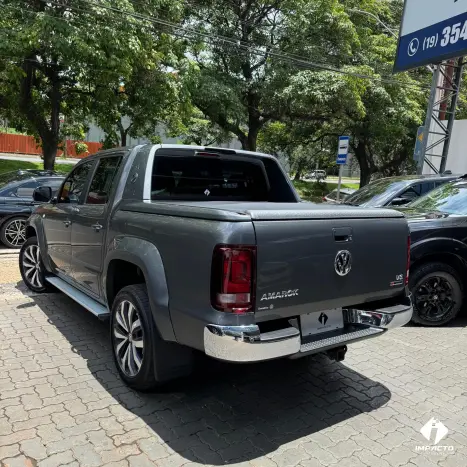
{"points": [[412, 193], [25, 190], [101, 185], [427, 186], [75, 184]]}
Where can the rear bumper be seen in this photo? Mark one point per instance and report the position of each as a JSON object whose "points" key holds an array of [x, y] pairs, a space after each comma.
{"points": [[248, 344]]}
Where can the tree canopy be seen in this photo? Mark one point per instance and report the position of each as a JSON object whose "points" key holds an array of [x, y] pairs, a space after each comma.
{"points": [[283, 76], [79, 59]]}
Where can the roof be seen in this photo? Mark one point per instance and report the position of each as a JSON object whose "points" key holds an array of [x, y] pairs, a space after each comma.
{"points": [[181, 146], [414, 178]]}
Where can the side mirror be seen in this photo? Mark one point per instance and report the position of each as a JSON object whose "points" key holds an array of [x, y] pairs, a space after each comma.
{"points": [[42, 194], [400, 201]]}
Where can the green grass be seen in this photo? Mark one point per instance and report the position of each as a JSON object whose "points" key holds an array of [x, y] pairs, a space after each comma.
{"points": [[314, 191], [10, 166]]}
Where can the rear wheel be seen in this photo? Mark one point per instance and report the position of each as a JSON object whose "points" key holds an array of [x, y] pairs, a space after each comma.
{"points": [[13, 232], [143, 359], [437, 294], [31, 266]]}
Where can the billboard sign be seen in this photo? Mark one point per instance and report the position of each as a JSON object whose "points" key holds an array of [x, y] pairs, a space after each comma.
{"points": [[431, 31]]}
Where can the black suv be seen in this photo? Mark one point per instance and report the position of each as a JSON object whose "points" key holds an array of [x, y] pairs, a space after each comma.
{"points": [[397, 191]]}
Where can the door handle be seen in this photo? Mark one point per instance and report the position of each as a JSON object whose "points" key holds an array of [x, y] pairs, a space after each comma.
{"points": [[342, 234], [74, 209], [67, 223], [97, 227]]}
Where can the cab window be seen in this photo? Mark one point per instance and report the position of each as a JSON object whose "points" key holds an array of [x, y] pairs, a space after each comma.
{"points": [[75, 184], [101, 184]]}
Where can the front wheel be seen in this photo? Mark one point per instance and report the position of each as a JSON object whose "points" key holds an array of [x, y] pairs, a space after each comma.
{"points": [[31, 266], [437, 294], [13, 232]]}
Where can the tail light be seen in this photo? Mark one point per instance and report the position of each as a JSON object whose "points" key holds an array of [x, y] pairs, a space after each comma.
{"points": [[407, 268], [233, 278]]}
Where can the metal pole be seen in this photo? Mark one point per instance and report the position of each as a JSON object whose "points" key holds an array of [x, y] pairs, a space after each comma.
{"points": [[341, 168], [429, 115], [452, 113]]}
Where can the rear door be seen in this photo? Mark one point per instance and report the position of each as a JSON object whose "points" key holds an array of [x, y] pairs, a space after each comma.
{"points": [[89, 225], [58, 217]]}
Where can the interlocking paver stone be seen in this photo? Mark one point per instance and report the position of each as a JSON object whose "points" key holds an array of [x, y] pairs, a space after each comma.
{"points": [[62, 403]]}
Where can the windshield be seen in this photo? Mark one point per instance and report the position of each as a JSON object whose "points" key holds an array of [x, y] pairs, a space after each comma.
{"points": [[9, 177], [450, 198], [332, 195], [376, 193]]}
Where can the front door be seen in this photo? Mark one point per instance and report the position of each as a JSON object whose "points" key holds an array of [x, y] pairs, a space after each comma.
{"points": [[58, 217], [90, 226]]}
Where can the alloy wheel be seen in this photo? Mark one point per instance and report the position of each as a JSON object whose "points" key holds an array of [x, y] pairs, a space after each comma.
{"points": [[15, 232], [128, 338], [434, 298], [32, 266]]}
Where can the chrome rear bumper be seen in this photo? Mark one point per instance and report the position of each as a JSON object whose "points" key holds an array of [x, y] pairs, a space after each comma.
{"points": [[248, 344]]}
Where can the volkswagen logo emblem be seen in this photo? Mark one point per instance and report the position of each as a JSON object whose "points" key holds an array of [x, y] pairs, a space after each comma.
{"points": [[343, 262]]}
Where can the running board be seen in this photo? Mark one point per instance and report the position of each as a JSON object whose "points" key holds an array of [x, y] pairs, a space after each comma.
{"points": [[343, 336], [79, 297]]}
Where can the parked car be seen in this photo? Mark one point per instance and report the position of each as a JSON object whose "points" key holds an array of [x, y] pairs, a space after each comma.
{"points": [[316, 175], [16, 201], [204, 249], [438, 270], [397, 191], [344, 194]]}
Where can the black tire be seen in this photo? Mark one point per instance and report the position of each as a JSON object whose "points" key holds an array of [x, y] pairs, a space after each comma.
{"points": [[160, 361], [437, 292], [13, 232], [34, 282]]}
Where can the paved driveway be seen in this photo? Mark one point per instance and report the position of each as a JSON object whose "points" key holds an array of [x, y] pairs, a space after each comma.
{"points": [[62, 403]]}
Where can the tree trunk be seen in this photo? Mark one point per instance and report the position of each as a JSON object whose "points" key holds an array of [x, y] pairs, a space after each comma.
{"points": [[49, 151], [123, 133], [123, 137], [366, 169]]}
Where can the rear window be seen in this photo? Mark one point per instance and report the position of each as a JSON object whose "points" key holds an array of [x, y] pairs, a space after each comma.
{"points": [[208, 178]]}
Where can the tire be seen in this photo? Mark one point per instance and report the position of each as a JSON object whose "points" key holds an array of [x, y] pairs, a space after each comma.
{"points": [[13, 232], [31, 267], [437, 294], [151, 362]]}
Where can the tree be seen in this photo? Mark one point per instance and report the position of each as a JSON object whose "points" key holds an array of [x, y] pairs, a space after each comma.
{"points": [[60, 58], [201, 131], [241, 81], [380, 115]]}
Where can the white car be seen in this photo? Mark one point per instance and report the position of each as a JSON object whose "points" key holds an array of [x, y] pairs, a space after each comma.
{"points": [[317, 174]]}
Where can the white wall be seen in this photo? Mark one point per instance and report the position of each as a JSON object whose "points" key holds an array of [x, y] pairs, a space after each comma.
{"points": [[457, 158]]}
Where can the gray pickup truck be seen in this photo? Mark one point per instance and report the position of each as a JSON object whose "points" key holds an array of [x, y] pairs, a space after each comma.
{"points": [[204, 249]]}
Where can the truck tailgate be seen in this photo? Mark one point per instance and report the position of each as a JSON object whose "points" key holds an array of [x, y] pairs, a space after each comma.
{"points": [[297, 267]]}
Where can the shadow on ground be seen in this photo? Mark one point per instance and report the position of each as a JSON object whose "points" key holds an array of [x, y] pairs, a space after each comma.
{"points": [[224, 413]]}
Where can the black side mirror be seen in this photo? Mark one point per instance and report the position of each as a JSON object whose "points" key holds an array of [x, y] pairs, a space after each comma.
{"points": [[42, 194]]}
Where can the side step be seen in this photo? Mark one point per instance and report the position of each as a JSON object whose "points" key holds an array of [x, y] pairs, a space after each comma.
{"points": [[79, 297], [341, 337]]}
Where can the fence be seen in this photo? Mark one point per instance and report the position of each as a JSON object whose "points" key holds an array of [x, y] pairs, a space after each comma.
{"points": [[22, 144]]}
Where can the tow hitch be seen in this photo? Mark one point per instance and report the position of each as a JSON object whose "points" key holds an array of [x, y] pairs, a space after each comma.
{"points": [[337, 354]]}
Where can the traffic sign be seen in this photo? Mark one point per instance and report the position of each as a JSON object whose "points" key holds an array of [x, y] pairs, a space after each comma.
{"points": [[431, 31], [417, 153], [343, 151]]}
